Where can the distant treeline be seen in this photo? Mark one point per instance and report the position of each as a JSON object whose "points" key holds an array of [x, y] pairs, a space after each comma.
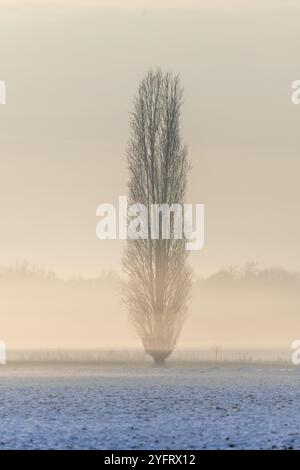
{"points": [[248, 275], [197, 356], [28, 272]]}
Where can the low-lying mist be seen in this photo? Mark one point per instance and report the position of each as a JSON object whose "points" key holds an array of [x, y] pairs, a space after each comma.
{"points": [[235, 309]]}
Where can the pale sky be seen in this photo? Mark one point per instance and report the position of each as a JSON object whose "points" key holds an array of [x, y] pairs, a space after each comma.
{"points": [[71, 70]]}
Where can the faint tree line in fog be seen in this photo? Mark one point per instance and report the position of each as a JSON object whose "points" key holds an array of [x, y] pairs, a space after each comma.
{"points": [[125, 356], [248, 275], [251, 275], [27, 272]]}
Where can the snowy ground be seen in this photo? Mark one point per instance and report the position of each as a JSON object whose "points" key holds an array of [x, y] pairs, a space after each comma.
{"points": [[140, 407]]}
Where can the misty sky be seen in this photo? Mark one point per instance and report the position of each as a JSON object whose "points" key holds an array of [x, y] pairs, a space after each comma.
{"points": [[71, 70]]}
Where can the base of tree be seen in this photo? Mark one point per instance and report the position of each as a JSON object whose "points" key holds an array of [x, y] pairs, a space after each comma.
{"points": [[159, 358]]}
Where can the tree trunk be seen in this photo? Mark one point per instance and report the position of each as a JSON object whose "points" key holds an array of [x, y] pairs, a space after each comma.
{"points": [[159, 358]]}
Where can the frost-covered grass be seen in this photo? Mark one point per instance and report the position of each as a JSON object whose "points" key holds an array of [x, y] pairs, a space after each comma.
{"points": [[141, 407]]}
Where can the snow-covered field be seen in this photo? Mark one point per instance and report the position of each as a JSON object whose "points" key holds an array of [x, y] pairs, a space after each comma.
{"points": [[141, 407]]}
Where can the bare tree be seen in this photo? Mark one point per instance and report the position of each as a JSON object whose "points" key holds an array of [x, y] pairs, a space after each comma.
{"points": [[159, 279]]}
